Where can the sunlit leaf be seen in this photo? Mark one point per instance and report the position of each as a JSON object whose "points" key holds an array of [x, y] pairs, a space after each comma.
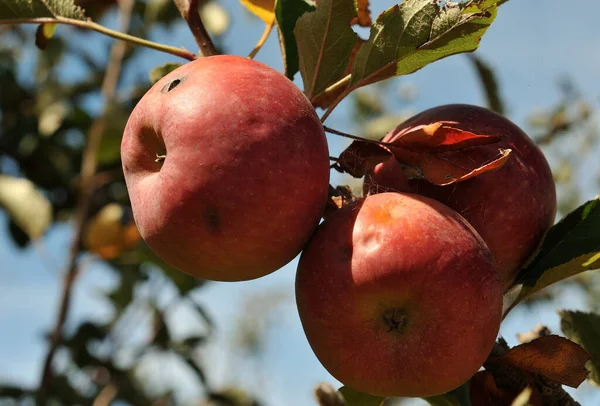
{"points": [[570, 247], [106, 235], [584, 329], [216, 19], [325, 42], [264, 9], [409, 36], [26, 206], [27, 9]]}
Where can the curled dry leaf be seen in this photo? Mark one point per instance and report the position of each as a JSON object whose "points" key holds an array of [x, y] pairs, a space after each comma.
{"points": [[339, 197], [439, 137], [431, 152], [484, 391], [363, 17], [360, 157], [556, 358]]}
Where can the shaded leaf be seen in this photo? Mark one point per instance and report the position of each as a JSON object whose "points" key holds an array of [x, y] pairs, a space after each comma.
{"points": [[287, 13], [326, 395], [557, 358], [409, 36], [584, 329], [570, 247], [27, 9], [489, 82], [484, 391], [25, 205], [162, 338], [325, 42], [263, 9], [355, 398], [443, 400], [159, 71], [440, 169], [10, 391], [363, 14], [43, 34], [196, 368], [361, 157]]}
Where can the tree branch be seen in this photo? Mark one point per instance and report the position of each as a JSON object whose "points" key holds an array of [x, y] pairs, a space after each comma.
{"points": [[88, 169], [189, 12], [181, 52]]}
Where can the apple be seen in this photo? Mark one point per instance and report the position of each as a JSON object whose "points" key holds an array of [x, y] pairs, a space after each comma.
{"points": [[399, 296], [227, 168], [511, 208]]}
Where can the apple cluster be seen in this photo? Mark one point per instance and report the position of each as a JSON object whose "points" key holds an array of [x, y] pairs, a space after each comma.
{"points": [[399, 292]]}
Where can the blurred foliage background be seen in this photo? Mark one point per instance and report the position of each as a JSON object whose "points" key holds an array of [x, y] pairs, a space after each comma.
{"points": [[50, 102]]}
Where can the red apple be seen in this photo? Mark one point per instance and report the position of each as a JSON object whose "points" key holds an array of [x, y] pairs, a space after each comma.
{"points": [[399, 296], [511, 208], [227, 168]]}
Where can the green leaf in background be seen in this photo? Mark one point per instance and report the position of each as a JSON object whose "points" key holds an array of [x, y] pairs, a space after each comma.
{"points": [[159, 71], [43, 34], [28, 9], [355, 398], [489, 83], [287, 13], [570, 247], [584, 329], [325, 42], [25, 205], [409, 36]]}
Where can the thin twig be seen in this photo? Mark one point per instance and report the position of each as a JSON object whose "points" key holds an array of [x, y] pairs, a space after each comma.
{"points": [[354, 137], [189, 12], [88, 169], [181, 52], [262, 39]]}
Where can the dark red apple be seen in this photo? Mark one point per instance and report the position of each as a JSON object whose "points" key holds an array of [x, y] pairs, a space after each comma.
{"points": [[227, 167], [511, 208], [399, 296]]}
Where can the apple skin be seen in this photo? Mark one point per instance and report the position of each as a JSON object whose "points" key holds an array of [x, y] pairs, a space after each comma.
{"points": [[246, 173], [511, 208], [399, 296]]}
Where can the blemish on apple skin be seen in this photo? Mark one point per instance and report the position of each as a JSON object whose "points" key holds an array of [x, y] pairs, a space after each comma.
{"points": [[172, 85], [212, 219]]}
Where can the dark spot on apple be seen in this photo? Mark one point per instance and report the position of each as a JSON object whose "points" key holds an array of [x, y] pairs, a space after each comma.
{"points": [[212, 219], [395, 319], [172, 85]]}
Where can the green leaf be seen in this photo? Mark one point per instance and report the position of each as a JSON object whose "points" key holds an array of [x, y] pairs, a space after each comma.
{"points": [[25, 205], [43, 34], [355, 398], [28, 9], [409, 36], [489, 82], [584, 329], [159, 71], [287, 13], [570, 247], [325, 42]]}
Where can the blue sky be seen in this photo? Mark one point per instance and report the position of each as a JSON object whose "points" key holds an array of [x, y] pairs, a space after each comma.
{"points": [[532, 44]]}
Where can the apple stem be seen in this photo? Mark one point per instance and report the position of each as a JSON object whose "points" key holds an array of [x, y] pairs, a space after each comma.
{"points": [[88, 184], [160, 158], [190, 13]]}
